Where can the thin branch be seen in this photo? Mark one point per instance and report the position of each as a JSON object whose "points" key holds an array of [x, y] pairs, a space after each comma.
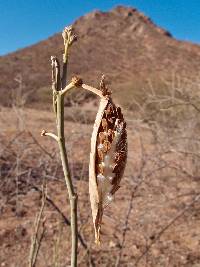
{"points": [[44, 133], [65, 219], [35, 244], [118, 261], [11, 141], [40, 146], [39, 242], [92, 89], [58, 99], [67, 88], [55, 73], [165, 228]]}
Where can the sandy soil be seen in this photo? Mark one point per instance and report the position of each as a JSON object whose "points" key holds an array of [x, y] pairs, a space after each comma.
{"points": [[153, 221]]}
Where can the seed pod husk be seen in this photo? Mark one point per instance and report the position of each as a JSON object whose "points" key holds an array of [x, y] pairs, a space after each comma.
{"points": [[107, 159]]}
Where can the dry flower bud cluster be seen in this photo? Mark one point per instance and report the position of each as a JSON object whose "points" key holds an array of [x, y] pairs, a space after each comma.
{"points": [[68, 35]]}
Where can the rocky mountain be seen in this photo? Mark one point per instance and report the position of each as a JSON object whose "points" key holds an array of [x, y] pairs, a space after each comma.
{"points": [[123, 44]]}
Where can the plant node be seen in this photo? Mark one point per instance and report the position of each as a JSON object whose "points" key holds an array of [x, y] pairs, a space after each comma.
{"points": [[77, 81], [43, 133]]}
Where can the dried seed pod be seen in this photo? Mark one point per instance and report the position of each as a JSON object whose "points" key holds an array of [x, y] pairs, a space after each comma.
{"points": [[107, 159]]}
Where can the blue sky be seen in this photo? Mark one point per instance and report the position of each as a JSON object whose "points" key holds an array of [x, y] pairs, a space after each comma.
{"points": [[25, 22]]}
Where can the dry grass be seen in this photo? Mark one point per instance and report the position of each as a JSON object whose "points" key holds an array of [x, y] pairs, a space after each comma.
{"points": [[157, 207]]}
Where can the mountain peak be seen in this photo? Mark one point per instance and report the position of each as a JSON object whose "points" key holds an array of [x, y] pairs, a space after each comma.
{"points": [[122, 17], [124, 10], [122, 43]]}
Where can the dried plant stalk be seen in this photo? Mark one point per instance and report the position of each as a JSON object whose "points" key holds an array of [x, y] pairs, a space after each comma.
{"points": [[107, 158], [60, 88], [108, 145]]}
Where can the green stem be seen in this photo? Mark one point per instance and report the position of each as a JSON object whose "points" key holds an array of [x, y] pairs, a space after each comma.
{"points": [[68, 180], [65, 61]]}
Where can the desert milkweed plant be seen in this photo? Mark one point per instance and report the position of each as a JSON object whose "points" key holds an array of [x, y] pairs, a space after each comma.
{"points": [[108, 144]]}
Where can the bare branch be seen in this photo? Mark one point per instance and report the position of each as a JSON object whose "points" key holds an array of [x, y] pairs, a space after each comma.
{"points": [[165, 228], [44, 133]]}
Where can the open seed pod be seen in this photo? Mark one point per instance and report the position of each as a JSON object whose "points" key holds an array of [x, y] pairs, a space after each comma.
{"points": [[107, 159]]}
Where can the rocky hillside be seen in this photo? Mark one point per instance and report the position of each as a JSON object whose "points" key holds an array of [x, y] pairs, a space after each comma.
{"points": [[122, 43]]}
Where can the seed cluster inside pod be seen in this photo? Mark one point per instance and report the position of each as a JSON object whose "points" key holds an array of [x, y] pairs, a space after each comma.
{"points": [[111, 153], [107, 158]]}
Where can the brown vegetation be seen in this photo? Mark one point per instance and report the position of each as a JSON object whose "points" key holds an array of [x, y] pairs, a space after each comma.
{"points": [[153, 220]]}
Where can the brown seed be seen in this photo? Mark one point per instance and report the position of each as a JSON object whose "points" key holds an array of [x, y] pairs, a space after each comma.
{"points": [[111, 135], [107, 146], [101, 137], [100, 168], [100, 154], [111, 120], [104, 124], [107, 113], [119, 113], [110, 132], [117, 157], [109, 109]]}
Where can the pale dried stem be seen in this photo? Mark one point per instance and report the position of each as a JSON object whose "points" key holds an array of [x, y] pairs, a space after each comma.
{"points": [[36, 239], [44, 133], [92, 89], [59, 90], [68, 87], [58, 103]]}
